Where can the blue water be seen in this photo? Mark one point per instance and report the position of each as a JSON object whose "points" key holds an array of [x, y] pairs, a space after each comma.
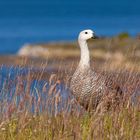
{"points": [[35, 21], [14, 86]]}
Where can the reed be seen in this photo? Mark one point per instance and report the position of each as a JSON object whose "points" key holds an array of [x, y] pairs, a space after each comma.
{"points": [[37, 109]]}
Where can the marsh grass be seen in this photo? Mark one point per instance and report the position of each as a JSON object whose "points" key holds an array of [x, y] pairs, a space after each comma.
{"points": [[38, 109], [120, 124], [36, 104]]}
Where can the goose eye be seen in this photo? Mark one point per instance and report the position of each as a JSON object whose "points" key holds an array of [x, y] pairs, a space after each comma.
{"points": [[86, 32]]}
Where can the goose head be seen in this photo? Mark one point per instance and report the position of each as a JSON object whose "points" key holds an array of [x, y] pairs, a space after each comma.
{"points": [[86, 35]]}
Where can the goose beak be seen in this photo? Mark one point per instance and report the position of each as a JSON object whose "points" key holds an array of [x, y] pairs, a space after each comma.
{"points": [[95, 37]]}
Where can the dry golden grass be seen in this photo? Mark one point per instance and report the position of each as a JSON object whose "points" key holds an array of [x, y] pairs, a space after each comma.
{"points": [[72, 122], [46, 121]]}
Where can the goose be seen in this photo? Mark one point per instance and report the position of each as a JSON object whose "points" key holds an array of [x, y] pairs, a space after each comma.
{"points": [[87, 85]]}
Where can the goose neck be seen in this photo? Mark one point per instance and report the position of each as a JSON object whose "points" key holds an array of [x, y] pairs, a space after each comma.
{"points": [[85, 58]]}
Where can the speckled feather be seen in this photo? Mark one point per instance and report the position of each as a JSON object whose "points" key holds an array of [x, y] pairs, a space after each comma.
{"points": [[86, 85]]}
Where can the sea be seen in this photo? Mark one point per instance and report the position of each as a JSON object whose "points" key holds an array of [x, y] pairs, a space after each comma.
{"points": [[42, 21]]}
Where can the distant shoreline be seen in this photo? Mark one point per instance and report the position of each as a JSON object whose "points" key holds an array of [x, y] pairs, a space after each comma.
{"points": [[14, 44], [120, 51]]}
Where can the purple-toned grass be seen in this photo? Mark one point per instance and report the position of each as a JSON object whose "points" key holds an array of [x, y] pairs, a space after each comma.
{"points": [[21, 91], [35, 104]]}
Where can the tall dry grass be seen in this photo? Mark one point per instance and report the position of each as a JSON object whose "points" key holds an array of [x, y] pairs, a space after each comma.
{"points": [[34, 108], [37, 104]]}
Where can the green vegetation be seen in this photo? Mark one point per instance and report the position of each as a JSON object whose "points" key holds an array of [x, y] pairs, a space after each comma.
{"points": [[120, 124], [123, 35]]}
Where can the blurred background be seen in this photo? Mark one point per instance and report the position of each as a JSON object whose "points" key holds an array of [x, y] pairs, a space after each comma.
{"points": [[41, 21]]}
